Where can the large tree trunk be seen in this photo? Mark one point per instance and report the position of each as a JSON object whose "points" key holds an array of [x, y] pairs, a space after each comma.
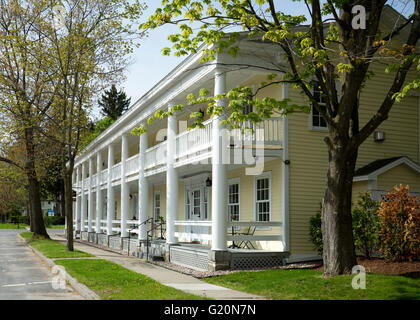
{"points": [[37, 221], [338, 247], [68, 191]]}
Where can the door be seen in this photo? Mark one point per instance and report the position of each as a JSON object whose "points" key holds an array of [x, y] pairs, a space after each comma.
{"points": [[196, 208]]}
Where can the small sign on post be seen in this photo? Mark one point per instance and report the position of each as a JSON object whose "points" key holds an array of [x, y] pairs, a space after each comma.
{"points": [[50, 212]]}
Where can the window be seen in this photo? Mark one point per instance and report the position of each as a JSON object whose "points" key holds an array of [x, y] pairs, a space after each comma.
{"points": [[263, 197], [196, 202], [205, 203], [187, 204], [157, 205], [233, 201], [317, 121], [116, 210]]}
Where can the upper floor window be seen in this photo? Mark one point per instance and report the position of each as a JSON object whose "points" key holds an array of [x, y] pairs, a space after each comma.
{"points": [[317, 120]]}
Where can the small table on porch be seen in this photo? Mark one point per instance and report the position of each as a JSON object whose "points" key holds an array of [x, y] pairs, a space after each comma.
{"points": [[233, 245]]}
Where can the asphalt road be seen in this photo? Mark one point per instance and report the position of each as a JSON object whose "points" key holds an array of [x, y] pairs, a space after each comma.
{"points": [[24, 276]]}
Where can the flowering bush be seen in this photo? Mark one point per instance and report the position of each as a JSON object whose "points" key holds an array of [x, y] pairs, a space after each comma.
{"points": [[399, 214]]}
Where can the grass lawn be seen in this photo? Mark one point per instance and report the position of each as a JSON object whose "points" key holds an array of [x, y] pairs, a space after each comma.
{"points": [[114, 282], [58, 226], [12, 226], [52, 248], [309, 284]]}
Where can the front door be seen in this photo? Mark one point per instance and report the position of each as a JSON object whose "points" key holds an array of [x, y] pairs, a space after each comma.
{"points": [[197, 208]]}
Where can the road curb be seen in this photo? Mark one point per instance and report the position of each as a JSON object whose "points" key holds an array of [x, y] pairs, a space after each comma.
{"points": [[63, 274]]}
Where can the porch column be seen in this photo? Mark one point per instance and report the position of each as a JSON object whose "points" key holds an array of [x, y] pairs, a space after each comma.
{"points": [[171, 181], [143, 188], [90, 200], [219, 171], [110, 205], [98, 192], [77, 228], [83, 198], [124, 186]]}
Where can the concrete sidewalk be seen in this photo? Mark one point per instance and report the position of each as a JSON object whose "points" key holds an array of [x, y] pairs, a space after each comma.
{"points": [[164, 276]]}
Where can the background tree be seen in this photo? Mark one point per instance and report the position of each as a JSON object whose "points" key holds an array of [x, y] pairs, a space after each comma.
{"points": [[327, 49], [90, 51], [114, 103], [26, 89]]}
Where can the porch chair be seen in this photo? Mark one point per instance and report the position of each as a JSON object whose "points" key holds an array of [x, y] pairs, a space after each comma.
{"points": [[247, 243]]}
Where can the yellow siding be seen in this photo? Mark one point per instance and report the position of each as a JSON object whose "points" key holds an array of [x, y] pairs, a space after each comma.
{"points": [[358, 187], [162, 189], [401, 174], [309, 157], [247, 200]]}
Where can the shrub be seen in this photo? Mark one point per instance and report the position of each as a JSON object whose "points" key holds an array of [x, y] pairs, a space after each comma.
{"points": [[366, 224], [399, 214], [58, 220], [315, 230]]}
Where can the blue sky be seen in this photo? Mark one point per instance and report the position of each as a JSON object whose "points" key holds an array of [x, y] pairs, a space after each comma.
{"points": [[150, 66]]}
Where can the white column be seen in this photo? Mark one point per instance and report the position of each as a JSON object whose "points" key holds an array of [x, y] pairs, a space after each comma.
{"points": [[98, 192], [171, 181], [124, 186], [110, 191], [143, 188], [83, 198], [219, 172], [90, 199], [77, 228]]}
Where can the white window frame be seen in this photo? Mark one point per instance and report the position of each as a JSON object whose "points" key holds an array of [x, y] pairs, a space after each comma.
{"points": [[155, 193], [232, 182], [310, 120], [263, 176]]}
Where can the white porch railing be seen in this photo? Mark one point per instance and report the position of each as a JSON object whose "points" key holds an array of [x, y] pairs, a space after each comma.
{"points": [[192, 235], [116, 171], [189, 143], [237, 236], [104, 225], [156, 155], [117, 222], [132, 164], [104, 176], [193, 141], [132, 226]]}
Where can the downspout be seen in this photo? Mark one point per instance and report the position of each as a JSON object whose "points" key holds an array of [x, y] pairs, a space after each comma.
{"points": [[285, 177]]}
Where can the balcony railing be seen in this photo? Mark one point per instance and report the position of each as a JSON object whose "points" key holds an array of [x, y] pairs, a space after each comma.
{"points": [[116, 171], [156, 156], [195, 142], [132, 164]]}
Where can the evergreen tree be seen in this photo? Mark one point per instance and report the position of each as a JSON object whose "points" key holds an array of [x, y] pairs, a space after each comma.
{"points": [[114, 103]]}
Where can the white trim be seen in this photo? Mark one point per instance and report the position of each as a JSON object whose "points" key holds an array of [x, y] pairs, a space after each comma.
{"points": [[374, 175], [285, 178], [264, 175]]}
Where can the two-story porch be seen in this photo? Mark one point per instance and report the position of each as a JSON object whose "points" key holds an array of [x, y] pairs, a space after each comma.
{"points": [[214, 189]]}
